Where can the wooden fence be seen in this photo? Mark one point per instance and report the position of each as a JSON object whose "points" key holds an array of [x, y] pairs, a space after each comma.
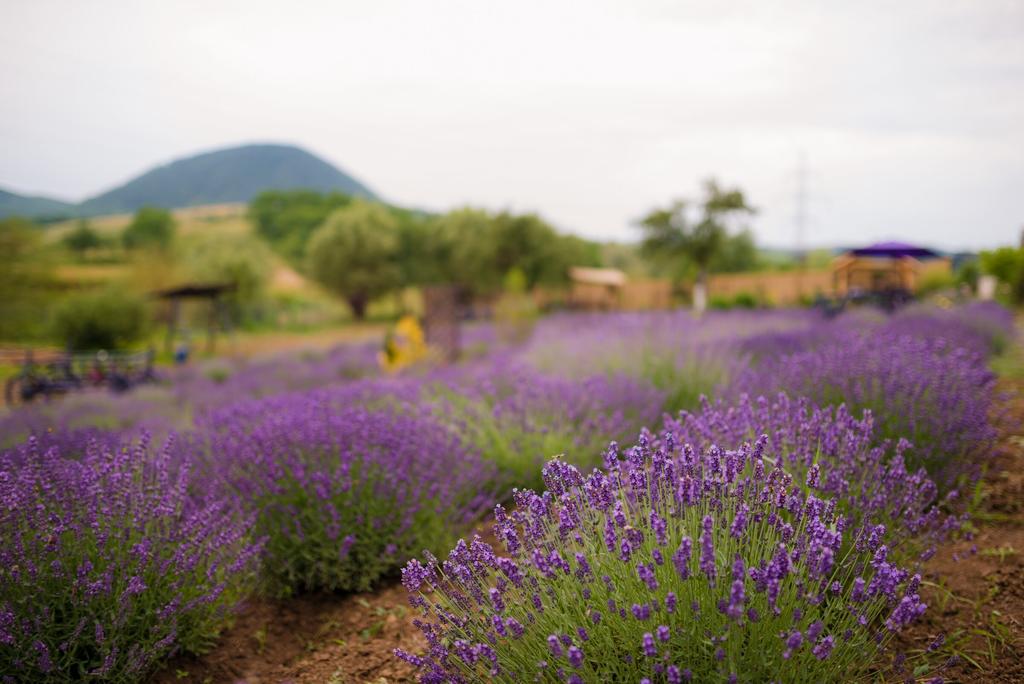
{"points": [[778, 288]]}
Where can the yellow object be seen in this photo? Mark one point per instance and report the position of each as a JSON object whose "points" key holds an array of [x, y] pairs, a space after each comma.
{"points": [[404, 346]]}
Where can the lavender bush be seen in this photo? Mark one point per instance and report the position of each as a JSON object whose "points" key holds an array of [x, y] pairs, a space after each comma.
{"points": [[836, 454], [343, 494], [109, 562], [519, 417], [681, 356], [981, 327], [936, 396], [669, 566]]}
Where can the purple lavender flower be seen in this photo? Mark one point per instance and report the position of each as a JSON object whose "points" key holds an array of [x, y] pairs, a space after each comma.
{"points": [[650, 650], [681, 558], [554, 646], [707, 550]]}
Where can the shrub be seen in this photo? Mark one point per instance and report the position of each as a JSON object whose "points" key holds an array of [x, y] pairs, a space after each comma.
{"points": [[82, 239], [100, 320], [151, 228], [109, 562], [746, 300], [670, 566], [741, 300], [839, 454], [343, 494], [936, 396]]}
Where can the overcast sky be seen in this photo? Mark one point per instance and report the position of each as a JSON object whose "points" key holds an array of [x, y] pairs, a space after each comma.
{"points": [[910, 113]]}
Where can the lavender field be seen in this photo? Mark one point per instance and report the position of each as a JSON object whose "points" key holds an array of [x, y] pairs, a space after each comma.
{"points": [[648, 497]]}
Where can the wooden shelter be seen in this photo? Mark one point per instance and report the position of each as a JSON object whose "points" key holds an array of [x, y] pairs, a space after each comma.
{"points": [[884, 267], [209, 292]]}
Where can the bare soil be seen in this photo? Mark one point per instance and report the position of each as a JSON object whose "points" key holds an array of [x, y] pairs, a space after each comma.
{"points": [[975, 585], [310, 639], [321, 639]]}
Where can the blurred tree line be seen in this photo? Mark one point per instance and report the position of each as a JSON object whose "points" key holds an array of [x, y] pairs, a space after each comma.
{"points": [[364, 250], [27, 281], [40, 303]]}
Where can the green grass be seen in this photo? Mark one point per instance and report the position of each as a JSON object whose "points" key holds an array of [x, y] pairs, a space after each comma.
{"points": [[1009, 364]]}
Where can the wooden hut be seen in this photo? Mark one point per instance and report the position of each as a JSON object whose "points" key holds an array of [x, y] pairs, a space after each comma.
{"points": [[884, 267]]}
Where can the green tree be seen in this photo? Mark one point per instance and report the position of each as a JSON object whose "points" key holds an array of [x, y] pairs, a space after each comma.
{"points": [[27, 280], [239, 260], [476, 250], [287, 218], [528, 243], [417, 247], [463, 247], [110, 319], [1007, 265], [355, 254], [152, 228], [672, 234], [968, 274], [737, 254], [82, 238]]}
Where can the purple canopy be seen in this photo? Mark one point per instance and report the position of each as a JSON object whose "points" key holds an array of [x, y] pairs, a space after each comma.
{"points": [[895, 250]]}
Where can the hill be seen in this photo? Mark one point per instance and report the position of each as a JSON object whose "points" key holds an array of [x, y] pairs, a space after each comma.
{"points": [[12, 204], [235, 174]]}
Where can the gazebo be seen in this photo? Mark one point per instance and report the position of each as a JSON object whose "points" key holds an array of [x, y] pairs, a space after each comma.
{"points": [[211, 292], [884, 267]]}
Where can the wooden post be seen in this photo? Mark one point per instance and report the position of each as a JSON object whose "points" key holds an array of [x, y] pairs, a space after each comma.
{"points": [[172, 325], [211, 323], [441, 320]]}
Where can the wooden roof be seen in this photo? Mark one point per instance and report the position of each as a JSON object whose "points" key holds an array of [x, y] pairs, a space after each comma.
{"points": [[195, 291], [597, 276]]}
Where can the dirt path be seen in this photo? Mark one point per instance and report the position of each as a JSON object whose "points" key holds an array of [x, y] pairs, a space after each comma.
{"points": [[975, 586], [314, 639], [324, 639]]}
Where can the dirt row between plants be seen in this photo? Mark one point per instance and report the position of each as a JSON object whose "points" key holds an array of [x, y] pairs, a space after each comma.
{"points": [[321, 639], [974, 588]]}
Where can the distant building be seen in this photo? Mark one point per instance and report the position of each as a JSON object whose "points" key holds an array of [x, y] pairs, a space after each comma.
{"points": [[596, 288]]}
